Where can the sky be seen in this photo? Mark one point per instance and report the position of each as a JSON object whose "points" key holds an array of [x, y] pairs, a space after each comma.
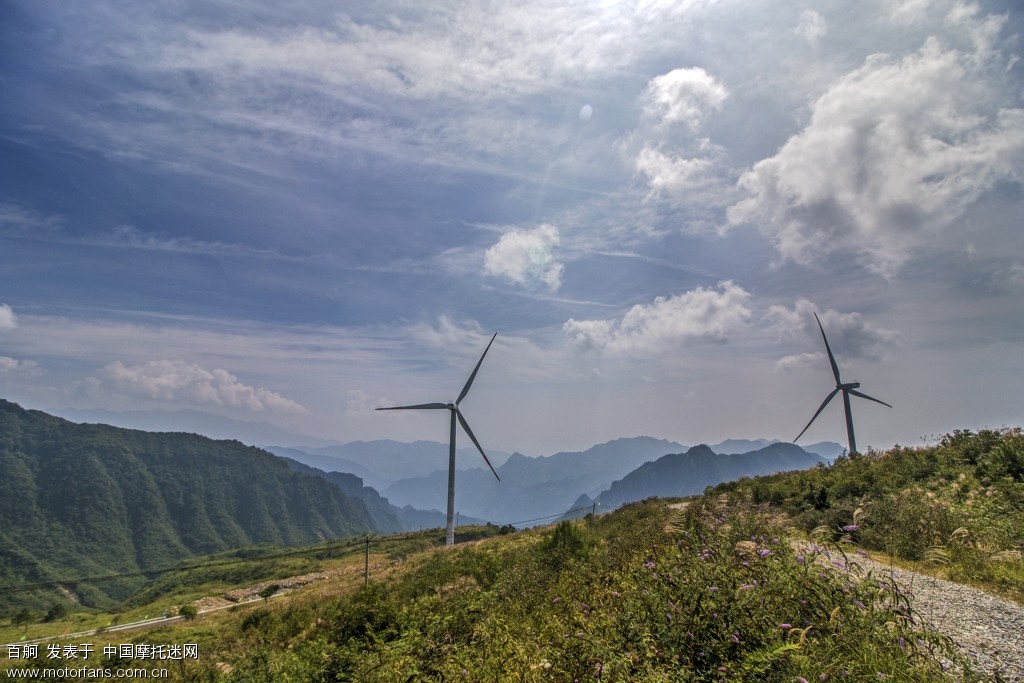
{"points": [[298, 213]]}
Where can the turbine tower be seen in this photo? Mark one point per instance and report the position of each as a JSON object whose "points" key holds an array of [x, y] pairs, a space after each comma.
{"points": [[456, 414], [847, 389]]}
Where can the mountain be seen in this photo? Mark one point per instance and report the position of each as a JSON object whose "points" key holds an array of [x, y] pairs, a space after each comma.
{"points": [[730, 446], [829, 450], [531, 487], [383, 462], [80, 500], [689, 473], [385, 517], [192, 421]]}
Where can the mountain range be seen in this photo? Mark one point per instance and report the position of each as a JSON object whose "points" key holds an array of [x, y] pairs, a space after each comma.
{"points": [[689, 473], [91, 499]]}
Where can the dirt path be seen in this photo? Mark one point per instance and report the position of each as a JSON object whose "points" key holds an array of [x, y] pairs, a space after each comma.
{"points": [[985, 627]]}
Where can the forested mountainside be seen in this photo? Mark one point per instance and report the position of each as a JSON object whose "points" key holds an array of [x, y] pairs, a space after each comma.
{"points": [[81, 500]]}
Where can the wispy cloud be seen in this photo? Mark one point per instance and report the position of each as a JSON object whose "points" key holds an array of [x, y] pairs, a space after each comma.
{"points": [[849, 334]]}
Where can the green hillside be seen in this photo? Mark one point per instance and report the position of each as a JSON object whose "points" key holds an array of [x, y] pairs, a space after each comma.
{"points": [[87, 500], [958, 505], [718, 591]]}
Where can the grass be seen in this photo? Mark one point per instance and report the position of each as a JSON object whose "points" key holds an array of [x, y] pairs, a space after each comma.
{"points": [[715, 592]]}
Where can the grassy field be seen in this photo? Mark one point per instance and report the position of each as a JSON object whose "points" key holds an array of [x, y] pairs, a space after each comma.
{"points": [[721, 590]]}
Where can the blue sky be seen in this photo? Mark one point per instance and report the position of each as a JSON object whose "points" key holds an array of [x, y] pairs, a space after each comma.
{"points": [[299, 214]]}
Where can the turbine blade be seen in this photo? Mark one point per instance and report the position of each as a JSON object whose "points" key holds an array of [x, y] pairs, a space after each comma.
{"points": [[420, 406], [469, 382], [831, 358], [472, 437], [820, 408], [870, 398]]}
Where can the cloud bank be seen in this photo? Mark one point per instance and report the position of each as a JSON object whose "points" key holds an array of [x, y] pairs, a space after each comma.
{"points": [[892, 156], [700, 314], [172, 380]]}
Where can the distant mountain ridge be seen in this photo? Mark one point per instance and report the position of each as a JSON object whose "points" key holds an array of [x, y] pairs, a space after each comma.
{"points": [[382, 462], [531, 487], [689, 473]]}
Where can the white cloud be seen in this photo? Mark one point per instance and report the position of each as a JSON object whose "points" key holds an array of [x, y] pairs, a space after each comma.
{"points": [[526, 257], [12, 365], [169, 380], [8, 321], [670, 174], [893, 154], [700, 314], [812, 26], [684, 96], [848, 334]]}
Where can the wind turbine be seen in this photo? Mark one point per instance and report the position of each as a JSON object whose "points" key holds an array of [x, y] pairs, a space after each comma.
{"points": [[453, 408], [847, 389]]}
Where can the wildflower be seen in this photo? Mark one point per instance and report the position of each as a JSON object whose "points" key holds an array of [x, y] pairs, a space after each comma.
{"points": [[556, 601], [649, 564], [713, 589], [880, 674], [735, 637], [850, 527], [800, 679], [785, 627], [859, 604], [800, 560], [764, 552], [616, 594]]}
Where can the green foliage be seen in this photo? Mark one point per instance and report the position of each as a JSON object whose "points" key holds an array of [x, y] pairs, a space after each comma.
{"points": [[963, 497], [83, 500], [713, 592], [566, 543], [188, 612], [56, 612], [268, 591]]}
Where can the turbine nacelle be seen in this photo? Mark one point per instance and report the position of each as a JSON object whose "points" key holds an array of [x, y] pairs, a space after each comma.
{"points": [[849, 385]]}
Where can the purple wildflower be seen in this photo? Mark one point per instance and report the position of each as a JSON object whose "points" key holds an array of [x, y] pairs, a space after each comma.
{"points": [[800, 560], [764, 552], [735, 637], [801, 679], [713, 589], [785, 627], [850, 527], [649, 564]]}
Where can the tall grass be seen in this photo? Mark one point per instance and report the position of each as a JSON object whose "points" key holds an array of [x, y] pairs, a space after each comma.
{"points": [[717, 592]]}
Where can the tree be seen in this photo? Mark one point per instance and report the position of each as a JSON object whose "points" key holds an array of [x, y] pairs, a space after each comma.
{"points": [[57, 611], [22, 617], [267, 591], [188, 612]]}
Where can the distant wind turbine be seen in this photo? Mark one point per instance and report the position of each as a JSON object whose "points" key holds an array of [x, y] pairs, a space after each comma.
{"points": [[453, 408], [847, 389]]}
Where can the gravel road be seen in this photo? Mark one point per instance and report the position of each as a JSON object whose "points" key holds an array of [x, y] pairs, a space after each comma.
{"points": [[983, 626]]}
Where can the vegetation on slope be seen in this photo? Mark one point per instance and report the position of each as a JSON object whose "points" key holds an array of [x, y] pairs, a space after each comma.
{"points": [[87, 500], [715, 592], [958, 505]]}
